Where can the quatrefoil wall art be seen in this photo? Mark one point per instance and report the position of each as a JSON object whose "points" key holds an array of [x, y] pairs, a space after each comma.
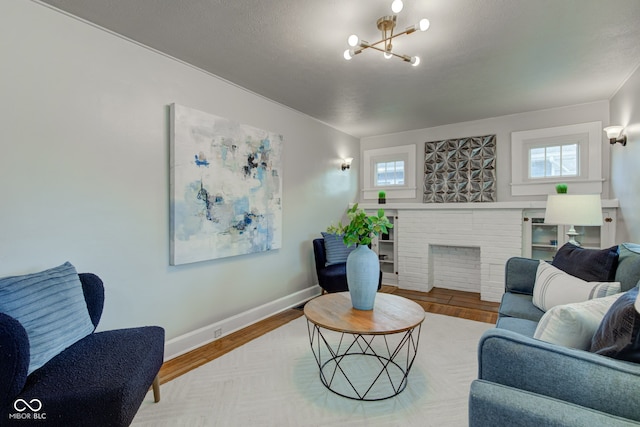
{"points": [[460, 170]]}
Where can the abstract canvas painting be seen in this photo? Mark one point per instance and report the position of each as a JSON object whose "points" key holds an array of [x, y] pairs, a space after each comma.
{"points": [[226, 187]]}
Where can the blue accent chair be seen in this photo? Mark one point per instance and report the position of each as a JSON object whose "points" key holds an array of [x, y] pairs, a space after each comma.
{"points": [[101, 380]]}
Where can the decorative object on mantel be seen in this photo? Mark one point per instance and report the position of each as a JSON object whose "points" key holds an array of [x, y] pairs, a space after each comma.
{"points": [[460, 170], [226, 187], [562, 188], [573, 209], [386, 25], [363, 267], [382, 197]]}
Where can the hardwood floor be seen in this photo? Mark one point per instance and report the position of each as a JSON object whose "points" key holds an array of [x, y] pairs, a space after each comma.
{"points": [[440, 301]]}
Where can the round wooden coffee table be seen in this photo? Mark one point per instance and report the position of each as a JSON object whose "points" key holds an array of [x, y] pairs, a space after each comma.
{"points": [[364, 355]]}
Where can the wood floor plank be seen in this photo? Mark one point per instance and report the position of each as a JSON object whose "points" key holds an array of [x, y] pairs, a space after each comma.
{"points": [[465, 305]]}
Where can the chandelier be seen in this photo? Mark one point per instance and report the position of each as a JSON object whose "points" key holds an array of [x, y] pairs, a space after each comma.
{"points": [[386, 25]]}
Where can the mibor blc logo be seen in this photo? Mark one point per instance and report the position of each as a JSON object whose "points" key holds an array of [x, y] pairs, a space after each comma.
{"points": [[28, 410]]}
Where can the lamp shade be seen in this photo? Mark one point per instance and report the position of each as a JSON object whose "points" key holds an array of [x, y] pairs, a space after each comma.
{"points": [[613, 131], [573, 209]]}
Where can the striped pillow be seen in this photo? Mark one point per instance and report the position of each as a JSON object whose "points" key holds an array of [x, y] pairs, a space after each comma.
{"points": [[555, 287], [336, 251], [51, 307]]}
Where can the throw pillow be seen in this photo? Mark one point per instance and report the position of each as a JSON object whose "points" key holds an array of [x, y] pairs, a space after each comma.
{"points": [[337, 252], [51, 307], [619, 333], [591, 265], [573, 325], [555, 287], [628, 271]]}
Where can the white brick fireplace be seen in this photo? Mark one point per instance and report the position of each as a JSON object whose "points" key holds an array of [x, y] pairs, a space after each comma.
{"points": [[463, 249], [464, 246]]}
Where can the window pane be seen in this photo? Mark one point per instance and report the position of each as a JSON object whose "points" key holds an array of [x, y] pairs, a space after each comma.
{"points": [[553, 161], [570, 160], [536, 163], [390, 173]]}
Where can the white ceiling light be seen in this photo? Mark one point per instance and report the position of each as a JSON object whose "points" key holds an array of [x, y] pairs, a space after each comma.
{"points": [[386, 25], [397, 6]]}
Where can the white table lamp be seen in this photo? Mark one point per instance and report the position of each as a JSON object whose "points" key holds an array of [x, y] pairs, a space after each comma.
{"points": [[573, 209]]}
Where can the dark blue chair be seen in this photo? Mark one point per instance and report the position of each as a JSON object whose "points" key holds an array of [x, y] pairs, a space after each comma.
{"points": [[101, 380], [331, 278]]}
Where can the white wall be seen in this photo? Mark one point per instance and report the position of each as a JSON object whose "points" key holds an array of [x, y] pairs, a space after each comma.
{"points": [[84, 169], [625, 161], [502, 128]]}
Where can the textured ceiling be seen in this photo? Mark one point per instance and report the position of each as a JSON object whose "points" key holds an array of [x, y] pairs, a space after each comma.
{"points": [[480, 58]]}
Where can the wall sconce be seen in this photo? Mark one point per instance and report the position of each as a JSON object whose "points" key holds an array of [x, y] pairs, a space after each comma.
{"points": [[346, 163], [613, 133]]}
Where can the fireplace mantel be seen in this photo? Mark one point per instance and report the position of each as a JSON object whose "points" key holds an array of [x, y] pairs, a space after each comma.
{"points": [[611, 203]]}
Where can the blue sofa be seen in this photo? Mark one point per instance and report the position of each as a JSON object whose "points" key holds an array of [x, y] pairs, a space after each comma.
{"points": [[524, 382], [100, 380]]}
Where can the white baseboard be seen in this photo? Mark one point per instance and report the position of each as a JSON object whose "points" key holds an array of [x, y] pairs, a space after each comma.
{"points": [[192, 340]]}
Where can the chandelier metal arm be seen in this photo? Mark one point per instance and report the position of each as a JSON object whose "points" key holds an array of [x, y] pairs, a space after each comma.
{"points": [[407, 31], [404, 57]]}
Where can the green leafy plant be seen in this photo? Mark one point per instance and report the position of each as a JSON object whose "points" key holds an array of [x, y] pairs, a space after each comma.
{"points": [[561, 188], [362, 227]]}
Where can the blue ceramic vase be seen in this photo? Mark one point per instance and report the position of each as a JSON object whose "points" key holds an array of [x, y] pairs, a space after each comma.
{"points": [[363, 273]]}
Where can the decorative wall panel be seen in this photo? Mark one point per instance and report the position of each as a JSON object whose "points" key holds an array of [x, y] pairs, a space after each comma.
{"points": [[460, 170]]}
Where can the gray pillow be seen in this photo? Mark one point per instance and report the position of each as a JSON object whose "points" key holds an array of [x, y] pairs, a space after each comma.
{"points": [[336, 251], [590, 265], [628, 271], [618, 335]]}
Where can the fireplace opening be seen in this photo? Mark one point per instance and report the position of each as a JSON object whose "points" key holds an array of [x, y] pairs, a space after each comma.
{"points": [[455, 267]]}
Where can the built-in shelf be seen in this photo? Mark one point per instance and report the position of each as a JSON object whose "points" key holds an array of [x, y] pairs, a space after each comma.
{"points": [[386, 248], [542, 240]]}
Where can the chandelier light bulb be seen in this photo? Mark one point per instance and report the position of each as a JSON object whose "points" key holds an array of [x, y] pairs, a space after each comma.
{"points": [[415, 61], [348, 54], [387, 55], [424, 24], [397, 6], [353, 40]]}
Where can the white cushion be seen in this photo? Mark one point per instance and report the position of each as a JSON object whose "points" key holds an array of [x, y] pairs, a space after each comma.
{"points": [[573, 325], [555, 287]]}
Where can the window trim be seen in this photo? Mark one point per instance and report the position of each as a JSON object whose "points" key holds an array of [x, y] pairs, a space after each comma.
{"points": [[406, 153], [589, 139]]}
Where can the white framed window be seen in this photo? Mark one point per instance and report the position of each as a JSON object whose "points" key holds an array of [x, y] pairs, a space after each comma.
{"points": [[554, 160], [542, 158], [390, 169], [390, 173], [551, 161]]}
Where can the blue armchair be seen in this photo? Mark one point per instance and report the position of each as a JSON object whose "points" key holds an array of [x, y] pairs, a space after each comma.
{"points": [[100, 380]]}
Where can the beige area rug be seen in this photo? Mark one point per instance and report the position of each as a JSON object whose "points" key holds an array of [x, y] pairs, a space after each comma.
{"points": [[273, 381]]}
